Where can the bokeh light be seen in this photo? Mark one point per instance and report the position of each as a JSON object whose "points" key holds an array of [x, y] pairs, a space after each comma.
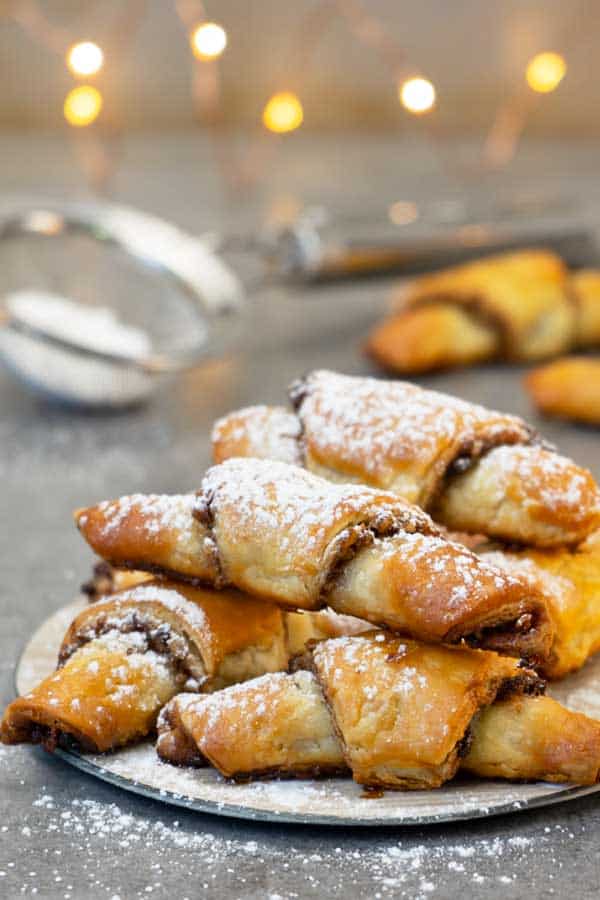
{"points": [[208, 40], [545, 72], [417, 95], [283, 113], [82, 105], [85, 58], [403, 212]]}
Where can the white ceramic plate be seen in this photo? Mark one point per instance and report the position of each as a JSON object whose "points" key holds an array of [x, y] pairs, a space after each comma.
{"points": [[334, 801]]}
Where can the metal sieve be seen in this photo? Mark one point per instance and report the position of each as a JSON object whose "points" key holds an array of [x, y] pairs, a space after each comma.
{"points": [[153, 275]]}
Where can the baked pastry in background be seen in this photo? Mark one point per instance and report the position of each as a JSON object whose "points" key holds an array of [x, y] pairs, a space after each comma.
{"points": [[473, 469], [396, 713], [514, 306], [283, 534], [568, 388]]}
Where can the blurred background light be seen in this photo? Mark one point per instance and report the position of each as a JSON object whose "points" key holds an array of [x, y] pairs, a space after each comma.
{"points": [[417, 95], [283, 113], [403, 213], [85, 58], [82, 105], [208, 40], [545, 72]]}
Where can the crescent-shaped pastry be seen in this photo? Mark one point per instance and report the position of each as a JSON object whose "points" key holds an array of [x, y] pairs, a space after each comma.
{"points": [[280, 533], [570, 581], [567, 389], [521, 737], [106, 694], [122, 658], [512, 306], [473, 469], [401, 712]]}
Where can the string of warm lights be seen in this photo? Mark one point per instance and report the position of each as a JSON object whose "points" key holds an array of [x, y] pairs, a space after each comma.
{"points": [[283, 111]]}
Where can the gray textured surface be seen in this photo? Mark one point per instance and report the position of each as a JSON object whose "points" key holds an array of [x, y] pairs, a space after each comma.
{"points": [[78, 845]]}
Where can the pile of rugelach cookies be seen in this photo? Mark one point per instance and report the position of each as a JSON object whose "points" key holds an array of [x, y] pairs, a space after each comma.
{"points": [[376, 581]]}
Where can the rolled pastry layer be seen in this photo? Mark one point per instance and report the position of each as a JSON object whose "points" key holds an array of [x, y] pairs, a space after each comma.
{"points": [[396, 713], [280, 533], [122, 658], [520, 737], [475, 470]]}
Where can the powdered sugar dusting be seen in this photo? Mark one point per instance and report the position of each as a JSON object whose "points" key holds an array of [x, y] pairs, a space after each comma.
{"points": [[546, 480], [448, 567], [395, 434], [107, 838], [295, 508], [157, 512], [169, 598], [265, 432]]}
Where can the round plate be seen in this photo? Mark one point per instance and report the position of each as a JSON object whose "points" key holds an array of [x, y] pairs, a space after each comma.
{"points": [[334, 801]]}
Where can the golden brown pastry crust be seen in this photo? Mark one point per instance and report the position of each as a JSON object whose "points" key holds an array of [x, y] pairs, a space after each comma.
{"points": [[394, 435], [534, 738], [215, 636], [281, 533], [108, 693], [570, 581], [397, 713], [513, 306], [474, 469], [151, 533], [175, 743], [568, 389], [269, 432], [278, 725], [402, 709], [431, 337], [300, 627]]}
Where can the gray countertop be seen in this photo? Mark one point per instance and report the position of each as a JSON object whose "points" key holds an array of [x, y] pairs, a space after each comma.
{"points": [[63, 834]]}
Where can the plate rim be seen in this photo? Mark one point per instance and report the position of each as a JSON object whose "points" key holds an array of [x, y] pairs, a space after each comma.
{"points": [[256, 814]]}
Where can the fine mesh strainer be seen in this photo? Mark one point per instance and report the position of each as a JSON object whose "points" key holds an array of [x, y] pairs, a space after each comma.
{"points": [[146, 273]]}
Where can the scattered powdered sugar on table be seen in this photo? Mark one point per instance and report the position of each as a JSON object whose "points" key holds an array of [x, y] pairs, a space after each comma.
{"points": [[188, 854]]}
